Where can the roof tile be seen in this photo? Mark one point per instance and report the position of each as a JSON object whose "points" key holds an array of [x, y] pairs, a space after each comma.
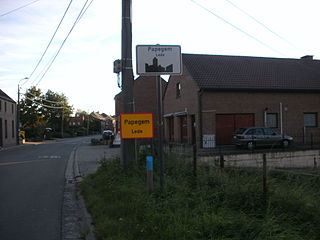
{"points": [[258, 73]]}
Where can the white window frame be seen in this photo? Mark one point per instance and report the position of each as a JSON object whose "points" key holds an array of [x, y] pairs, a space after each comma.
{"points": [[272, 120], [310, 119]]}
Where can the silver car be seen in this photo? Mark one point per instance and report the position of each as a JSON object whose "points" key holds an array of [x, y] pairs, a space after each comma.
{"points": [[260, 136]]}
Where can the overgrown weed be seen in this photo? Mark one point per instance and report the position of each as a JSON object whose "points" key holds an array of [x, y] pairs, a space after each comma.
{"points": [[218, 204]]}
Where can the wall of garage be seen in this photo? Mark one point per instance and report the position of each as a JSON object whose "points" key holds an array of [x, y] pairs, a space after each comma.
{"points": [[225, 111]]}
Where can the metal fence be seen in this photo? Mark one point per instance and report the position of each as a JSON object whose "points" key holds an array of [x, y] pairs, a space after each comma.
{"points": [[302, 140]]}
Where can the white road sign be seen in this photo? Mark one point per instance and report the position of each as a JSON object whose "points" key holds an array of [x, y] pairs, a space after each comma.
{"points": [[155, 60]]}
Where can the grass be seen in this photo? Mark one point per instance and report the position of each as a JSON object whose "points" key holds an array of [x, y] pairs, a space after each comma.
{"points": [[219, 205]]}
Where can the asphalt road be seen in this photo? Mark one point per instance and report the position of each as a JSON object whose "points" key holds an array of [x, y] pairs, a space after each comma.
{"points": [[31, 190]]}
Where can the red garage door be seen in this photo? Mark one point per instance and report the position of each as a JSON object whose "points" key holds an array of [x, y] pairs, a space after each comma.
{"points": [[226, 124]]}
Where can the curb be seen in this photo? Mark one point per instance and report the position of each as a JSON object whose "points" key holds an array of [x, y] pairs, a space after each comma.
{"points": [[11, 147], [86, 220], [76, 221]]}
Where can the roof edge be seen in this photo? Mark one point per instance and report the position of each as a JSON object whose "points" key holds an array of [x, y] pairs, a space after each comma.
{"points": [[4, 96], [260, 90]]}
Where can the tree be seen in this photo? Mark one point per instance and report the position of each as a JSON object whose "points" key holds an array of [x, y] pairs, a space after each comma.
{"points": [[31, 117], [40, 111], [57, 110]]}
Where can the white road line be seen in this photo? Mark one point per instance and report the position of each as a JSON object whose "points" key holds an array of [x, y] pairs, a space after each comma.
{"points": [[41, 159], [49, 157], [15, 163]]}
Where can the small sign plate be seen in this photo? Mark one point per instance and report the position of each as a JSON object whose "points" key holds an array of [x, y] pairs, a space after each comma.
{"points": [[153, 60], [136, 125]]}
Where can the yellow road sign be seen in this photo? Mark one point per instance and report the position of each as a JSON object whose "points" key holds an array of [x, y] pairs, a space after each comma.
{"points": [[136, 125]]}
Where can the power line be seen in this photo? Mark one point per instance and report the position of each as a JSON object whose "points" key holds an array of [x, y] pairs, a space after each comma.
{"points": [[16, 9], [237, 28], [43, 105], [51, 39], [83, 10], [261, 24], [42, 99]]}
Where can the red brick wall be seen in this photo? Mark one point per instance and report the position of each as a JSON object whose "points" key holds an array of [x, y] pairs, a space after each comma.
{"points": [[187, 102], [236, 102], [294, 105], [145, 98]]}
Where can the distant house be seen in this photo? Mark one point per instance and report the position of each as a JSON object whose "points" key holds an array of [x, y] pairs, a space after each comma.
{"points": [[106, 121], [218, 94], [78, 119], [144, 98], [8, 118]]}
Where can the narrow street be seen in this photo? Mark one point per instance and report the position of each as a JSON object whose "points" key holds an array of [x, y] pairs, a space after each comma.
{"points": [[31, 189]]}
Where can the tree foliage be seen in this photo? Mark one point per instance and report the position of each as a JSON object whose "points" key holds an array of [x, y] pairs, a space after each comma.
{"points": [[40, 111]]}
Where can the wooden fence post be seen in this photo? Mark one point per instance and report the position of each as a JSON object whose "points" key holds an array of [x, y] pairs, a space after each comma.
{"points": [[221, 161], [149, 160], [194, 151], [264, 178]]}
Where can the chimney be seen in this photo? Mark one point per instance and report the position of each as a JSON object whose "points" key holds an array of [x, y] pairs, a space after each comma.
{"points": [[307, 57]]}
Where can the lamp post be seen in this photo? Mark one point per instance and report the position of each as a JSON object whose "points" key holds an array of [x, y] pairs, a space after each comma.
{"points": [[18, 111]]}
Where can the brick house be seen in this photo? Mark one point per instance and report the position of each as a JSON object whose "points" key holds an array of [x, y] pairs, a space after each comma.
{"points": [[78, 120], [8, 118], [106, 121], [144, 98], [218, 94]]}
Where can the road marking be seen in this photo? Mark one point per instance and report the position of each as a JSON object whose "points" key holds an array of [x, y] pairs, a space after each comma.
{"points": [[41, 159], [15, 163], [50, 157]]}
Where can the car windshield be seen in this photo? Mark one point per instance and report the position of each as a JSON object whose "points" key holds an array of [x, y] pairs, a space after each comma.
{"points": [[240, 131], [268, 131], [255, 131]]}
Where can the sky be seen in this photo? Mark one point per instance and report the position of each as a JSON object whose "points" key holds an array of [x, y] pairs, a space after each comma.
{"points": [[83, 69]]}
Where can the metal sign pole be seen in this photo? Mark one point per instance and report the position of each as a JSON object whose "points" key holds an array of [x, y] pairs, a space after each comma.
{"points": [[160, 130], [157, 60]]}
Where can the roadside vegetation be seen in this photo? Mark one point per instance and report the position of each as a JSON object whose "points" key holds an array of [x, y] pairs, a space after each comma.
{"points": [[40, 111], [218, 204]]}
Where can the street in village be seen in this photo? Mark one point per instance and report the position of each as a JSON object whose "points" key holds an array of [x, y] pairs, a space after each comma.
{"points": [[33, 185]]}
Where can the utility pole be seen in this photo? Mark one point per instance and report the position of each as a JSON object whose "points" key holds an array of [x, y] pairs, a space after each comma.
{"points": [[88, 122], [127, 145], [18, 112], [62, 122], [18, 117]]}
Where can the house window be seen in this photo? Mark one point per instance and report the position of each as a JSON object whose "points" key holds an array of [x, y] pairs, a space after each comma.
{"points": [[272, 120], [12, 108], [310, 119], [5, 128], [178, 90], [12, 127], [5, 106], [0, 105]]}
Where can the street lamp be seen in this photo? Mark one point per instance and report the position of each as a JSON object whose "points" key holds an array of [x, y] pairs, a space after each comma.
{"points": [[18, 111]]}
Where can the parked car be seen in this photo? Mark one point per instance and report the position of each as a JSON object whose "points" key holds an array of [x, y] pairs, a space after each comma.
{"points": [[252, 137], [47, 134], [107, 135]]}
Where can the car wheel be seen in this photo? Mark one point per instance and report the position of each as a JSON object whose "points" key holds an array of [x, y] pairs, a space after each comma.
{"points": [[285, 143], [250, 145]]}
